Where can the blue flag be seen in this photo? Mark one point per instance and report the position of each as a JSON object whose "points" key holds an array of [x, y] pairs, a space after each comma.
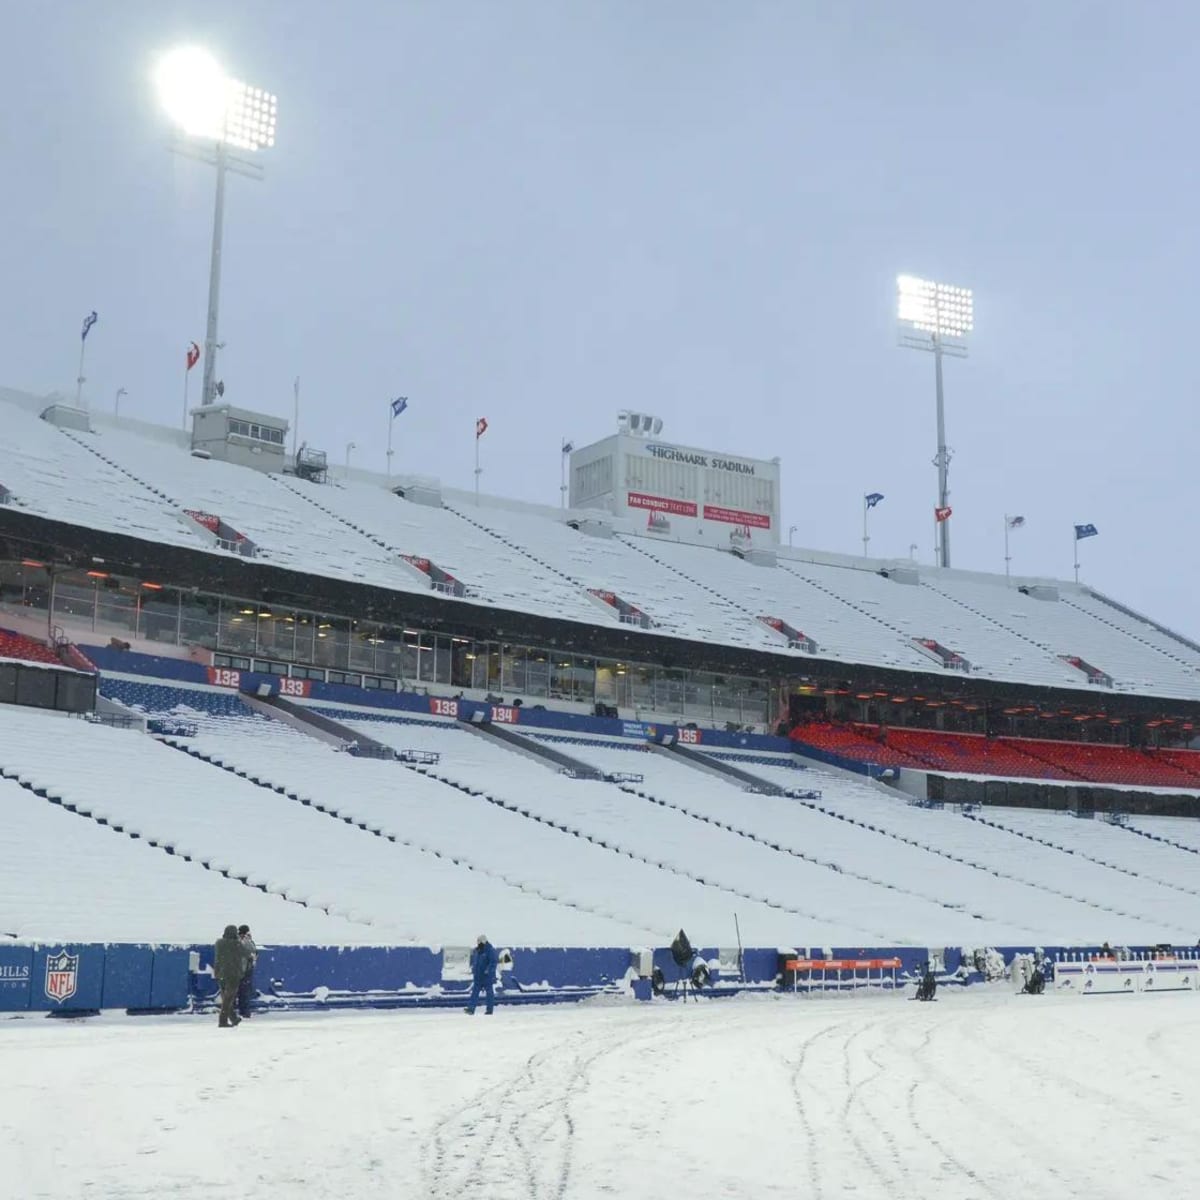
{"points": [[1082, 531], [88, 322], [873, 498], [399, 405], [568, 447]]}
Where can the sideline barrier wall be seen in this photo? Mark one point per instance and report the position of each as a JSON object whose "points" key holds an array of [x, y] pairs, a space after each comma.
{"points": [[79, 978], [58, 977], [1108, 976]]}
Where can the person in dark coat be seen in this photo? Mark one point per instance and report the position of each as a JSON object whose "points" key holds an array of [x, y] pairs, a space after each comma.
{"points": [[229, 965], [483, 973], [246, 991]]}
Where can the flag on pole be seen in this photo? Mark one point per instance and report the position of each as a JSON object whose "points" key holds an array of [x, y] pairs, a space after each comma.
{"points": [[942, 514], [567, 447], [1085, 531], [88, 322], [873, 498], [1015, 522], [480, 427], [193, 355], [399, 405]]}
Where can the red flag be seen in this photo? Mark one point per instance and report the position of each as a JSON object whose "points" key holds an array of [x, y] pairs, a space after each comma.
{"points": [[942, 514], [193, 355], [480, 427]]}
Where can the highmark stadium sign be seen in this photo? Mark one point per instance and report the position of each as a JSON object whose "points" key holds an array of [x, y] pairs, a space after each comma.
{"points": [[697, 459]]}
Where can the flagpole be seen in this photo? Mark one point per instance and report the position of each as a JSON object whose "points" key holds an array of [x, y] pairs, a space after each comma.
{"points": [[186, 372], [1006, 558], [79, 378], [391, 422], [866, 539], [478, 469], [295, 418], [562, 474], [1075, 550]]}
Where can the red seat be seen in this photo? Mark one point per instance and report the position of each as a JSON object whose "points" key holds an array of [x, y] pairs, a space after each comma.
{"points": [[1025, 758], [26, 649]]}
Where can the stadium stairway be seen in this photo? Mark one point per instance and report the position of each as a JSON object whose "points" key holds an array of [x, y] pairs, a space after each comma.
{"points": [[1039, 885], [1040, 646], [524, 551], [1155, 837], [781, 848], [337, 812], [301, 715], [303, 494], [632, 543], [1128, 633], [124, 470], [556, 760], [344, 804], [858, 608], [715, 766], [1112, 866]]}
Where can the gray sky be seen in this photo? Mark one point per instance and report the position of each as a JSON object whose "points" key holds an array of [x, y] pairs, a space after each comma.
{"points": [[545, 212]]}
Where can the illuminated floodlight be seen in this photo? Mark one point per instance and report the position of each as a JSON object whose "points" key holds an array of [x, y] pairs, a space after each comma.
{"points": [[217, 114], [938, 317], [930, 313], [206, 103]]}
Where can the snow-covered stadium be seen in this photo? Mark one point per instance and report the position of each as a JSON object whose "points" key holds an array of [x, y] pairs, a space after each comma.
{"points": [[366, 716]]}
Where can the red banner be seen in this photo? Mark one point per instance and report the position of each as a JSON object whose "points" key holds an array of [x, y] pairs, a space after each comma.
{"points": [[443, 708], [677, 508], [505, 714], [225, 677], [735, 516], [689, 737], [294, 687]]}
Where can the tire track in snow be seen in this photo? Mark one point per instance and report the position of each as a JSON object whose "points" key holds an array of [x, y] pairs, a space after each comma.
{"points": [[526, 1117], [1077, 1181], [796, 1079]]}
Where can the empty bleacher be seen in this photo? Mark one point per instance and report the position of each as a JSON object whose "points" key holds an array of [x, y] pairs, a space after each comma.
{"points": [[69, 877], [141, 481], [270, 840], [1021, 758], [26, 649]]}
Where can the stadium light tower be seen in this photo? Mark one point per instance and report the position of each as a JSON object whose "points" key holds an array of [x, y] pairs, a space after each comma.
{"points": [[215, 115], [939, 318]]}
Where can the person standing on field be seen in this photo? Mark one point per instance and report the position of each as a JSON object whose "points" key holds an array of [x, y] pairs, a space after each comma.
{"points": [[246, 991], [483, 974], [229, 965]]}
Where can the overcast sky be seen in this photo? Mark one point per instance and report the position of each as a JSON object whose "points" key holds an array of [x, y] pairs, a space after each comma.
{"points": [[542, 213]]}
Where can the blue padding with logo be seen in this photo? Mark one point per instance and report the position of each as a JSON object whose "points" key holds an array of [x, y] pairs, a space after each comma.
{"points": [[127, 977], [16, 966], [65, 978]]}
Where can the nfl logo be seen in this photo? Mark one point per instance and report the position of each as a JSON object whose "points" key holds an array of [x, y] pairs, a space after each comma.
{"points": [[62, 975]]}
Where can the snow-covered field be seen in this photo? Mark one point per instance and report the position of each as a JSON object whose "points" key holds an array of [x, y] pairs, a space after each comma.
{"points": [[980, 1095]]}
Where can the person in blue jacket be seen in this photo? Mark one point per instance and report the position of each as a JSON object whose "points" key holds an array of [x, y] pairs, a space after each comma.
{"points": [[483, 973]]}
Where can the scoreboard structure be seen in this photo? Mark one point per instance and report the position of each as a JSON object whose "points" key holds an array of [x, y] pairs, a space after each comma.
{"points": [[706, 497]]}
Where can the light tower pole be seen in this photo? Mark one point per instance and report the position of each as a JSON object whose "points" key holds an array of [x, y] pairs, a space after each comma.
{"points": [[215, 113], [939, 318]]}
